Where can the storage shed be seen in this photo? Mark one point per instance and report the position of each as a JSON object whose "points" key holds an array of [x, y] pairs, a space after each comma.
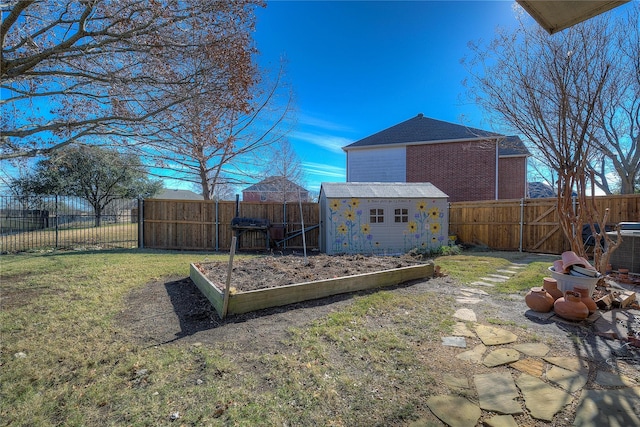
{"points": [[383, 218]]}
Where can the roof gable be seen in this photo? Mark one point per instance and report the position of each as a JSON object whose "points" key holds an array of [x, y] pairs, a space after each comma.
{"points": [[381, 190], [274, 184], [422, 129]]}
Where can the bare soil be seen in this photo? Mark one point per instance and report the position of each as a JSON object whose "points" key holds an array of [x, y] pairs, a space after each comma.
{"points": [[279, 270], [175, 311]]}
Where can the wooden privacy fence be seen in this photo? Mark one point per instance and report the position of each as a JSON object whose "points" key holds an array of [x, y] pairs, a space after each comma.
{"points": [[206, 225], [529, 225]]}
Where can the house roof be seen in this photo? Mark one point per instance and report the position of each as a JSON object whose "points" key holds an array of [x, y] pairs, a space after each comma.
{"points": [[381, 190], [273, 184], [173, 194], [420, 129], [556, 15]]}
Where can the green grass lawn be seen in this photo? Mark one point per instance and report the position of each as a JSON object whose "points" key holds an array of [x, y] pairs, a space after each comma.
{"points": [[65, 360]]}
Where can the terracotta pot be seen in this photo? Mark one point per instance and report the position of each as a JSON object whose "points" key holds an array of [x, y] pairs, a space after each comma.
{"points": [[571, 307], [558, 266], [570, 258], [551, 286], [539, 300], [586, 298]]}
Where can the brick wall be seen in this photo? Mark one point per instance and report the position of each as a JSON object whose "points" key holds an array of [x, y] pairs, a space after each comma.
{"points": [[464, 171], [512, 177]]}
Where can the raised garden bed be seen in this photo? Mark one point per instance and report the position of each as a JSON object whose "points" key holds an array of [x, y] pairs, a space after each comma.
{"points": [[243, 301]]}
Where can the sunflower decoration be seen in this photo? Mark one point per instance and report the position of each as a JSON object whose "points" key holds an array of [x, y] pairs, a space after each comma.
{"points": [[422, 206], [349, 215], [365, 229], [435, 227], [335, 205], [342, 229], [413, 227], [434, 213], [354, 203]]}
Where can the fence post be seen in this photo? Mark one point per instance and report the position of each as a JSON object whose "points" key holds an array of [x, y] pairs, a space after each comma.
{"points": [[56, 221], [140, 223], [521, 223], [217, 226]]}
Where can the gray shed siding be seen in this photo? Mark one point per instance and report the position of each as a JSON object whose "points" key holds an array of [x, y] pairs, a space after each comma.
{"points": [[382, 218]]}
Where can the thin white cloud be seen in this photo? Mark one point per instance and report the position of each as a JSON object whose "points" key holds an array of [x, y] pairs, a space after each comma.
{"points": [[305, 120], [328, 142], [324, 170]]}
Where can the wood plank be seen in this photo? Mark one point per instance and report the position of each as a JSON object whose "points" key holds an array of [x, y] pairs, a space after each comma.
{"points": [[208, 289], [245, 302], [264, 298]]}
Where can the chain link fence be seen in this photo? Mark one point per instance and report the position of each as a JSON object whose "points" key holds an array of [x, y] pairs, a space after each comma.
{"points": [[66, 222]]}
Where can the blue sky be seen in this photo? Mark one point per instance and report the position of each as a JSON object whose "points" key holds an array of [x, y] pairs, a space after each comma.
{"points": [[359, 67]]}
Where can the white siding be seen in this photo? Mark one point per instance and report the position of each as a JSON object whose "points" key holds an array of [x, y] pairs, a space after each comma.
{"points": [[377, 165]]}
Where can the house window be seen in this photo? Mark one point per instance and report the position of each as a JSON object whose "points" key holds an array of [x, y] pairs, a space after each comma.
{"points": [[376, 215], [401, 215]]}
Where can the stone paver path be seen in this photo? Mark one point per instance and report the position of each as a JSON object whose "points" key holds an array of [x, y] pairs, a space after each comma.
{"points": [[540, 384]]}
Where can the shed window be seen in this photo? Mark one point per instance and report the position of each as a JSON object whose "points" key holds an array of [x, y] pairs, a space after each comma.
{"points": [[376, 215], [401, 215]]}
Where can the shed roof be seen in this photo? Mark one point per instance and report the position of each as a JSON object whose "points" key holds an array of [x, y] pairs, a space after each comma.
{"points": [[420, 129], [381, 190]]}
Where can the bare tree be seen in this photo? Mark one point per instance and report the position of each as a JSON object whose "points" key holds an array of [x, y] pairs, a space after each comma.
{"points": [[72, 70], [219, 135], [284, 172], [548, 89], [618, 134]]}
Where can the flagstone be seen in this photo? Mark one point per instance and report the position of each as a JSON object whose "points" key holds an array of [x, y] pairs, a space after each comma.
{"points": [[568, 380], [500, 276], [454, 342], [534, 367], [456, 382], [466, 414], [614, 407], [489, 285], [465, 314], [468, 300], [571, 363], [541, 399], [490, 335], [460, 329], [493, 280], [474, 291], [508, 271], [610, 379], [497, 392], [473, 355], [501, 421], [532, 349], [501, 356]]}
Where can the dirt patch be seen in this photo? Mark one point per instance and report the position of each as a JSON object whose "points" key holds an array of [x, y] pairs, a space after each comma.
{"points": [[175, 312], [279, 270]]}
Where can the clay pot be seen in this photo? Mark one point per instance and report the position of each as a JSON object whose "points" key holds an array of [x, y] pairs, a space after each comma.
{"points": [[551, 286], [571, 307], [586, 298], [623, 273], [558, 266], [539, 300]]}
